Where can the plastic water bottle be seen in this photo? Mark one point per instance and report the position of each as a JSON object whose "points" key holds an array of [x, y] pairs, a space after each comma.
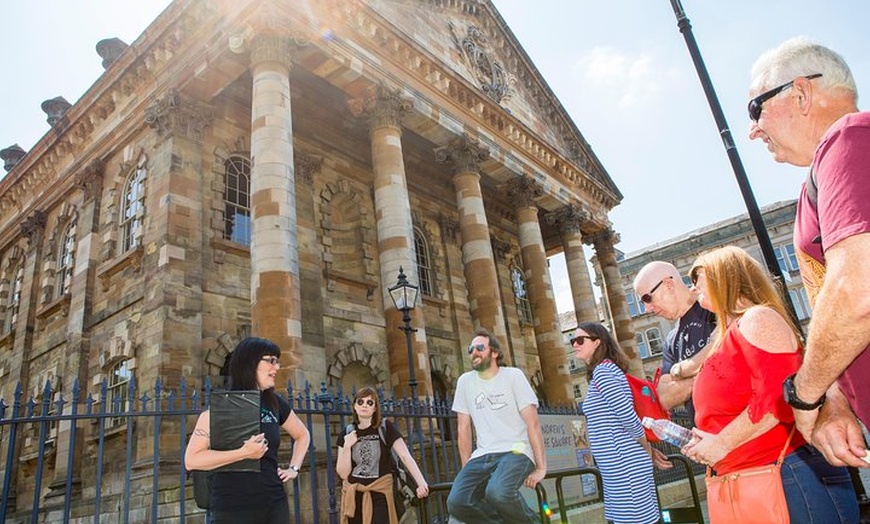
{"points": [[668, 431]]}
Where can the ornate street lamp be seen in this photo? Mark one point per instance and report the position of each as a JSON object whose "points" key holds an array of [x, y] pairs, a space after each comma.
{"points": [[404, 296]]}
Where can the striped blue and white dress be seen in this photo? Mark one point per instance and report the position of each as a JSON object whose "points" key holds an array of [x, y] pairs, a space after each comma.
{"points": [[613, 429]]}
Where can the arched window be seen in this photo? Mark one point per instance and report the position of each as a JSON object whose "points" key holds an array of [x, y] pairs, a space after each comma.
{"points": [[118, 392], [524, 308], [424, 265], [642, 348], [237, 200], [654, 336], [65, 260], [14, 304], [133, 210]]}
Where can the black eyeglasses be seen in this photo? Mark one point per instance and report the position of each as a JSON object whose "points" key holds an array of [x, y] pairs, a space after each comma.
{"points": [[581, 339], [480, 348], [365, 402], [755, 104], [271, 360], [646, 298]]}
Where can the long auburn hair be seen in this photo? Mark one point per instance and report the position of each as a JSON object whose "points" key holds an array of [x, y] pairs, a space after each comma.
{"points": [[735, 283], [608, 349], [368, 392]]}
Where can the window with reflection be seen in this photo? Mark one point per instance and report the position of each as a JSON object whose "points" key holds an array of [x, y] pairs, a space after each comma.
{"points": [[14, 304], [65, 260], [118, 392], [237, 200], [654, 339], [424, 264], [518, 281], [133, 210]]}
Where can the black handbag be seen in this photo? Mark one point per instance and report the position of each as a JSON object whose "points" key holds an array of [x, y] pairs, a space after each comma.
{"points": [[201, 487]]}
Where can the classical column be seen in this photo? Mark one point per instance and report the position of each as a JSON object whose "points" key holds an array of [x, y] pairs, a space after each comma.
{"points": [[384, 110], [548, 337], [569, 220], [275, 289], [603, 241], [465, 154]]}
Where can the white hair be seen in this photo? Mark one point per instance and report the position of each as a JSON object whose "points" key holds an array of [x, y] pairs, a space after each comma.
{"points": [[798, 57]]}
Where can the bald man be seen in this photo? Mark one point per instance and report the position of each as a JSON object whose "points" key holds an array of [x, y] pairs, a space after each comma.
{"points": [[662, 291]]}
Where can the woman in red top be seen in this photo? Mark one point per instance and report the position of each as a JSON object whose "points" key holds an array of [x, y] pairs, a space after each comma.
{"points": [[741, 417]]}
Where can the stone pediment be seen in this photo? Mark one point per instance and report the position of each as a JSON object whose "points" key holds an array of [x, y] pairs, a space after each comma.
{"points": [[468, 38]]}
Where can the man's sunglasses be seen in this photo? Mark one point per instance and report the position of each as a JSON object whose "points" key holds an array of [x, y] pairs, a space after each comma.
{"points": [[480, 348], [365, 402], [755, 104], [581, 339], [646, 298]]}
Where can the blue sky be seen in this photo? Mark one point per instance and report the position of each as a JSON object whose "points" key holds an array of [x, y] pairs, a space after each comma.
{"points": [[620, 68]]}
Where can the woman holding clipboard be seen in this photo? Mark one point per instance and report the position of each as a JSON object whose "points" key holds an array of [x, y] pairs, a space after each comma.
{"points": [[241, 494]]}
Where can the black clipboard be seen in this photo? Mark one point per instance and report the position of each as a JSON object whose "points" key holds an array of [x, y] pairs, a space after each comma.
{"points": [[234, 416]]}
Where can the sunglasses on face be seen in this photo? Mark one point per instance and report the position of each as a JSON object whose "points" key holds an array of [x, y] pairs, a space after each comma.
{"points": [[480, 348], [271, 360], [695, 275], [581, 339], [365, 402], [755, 104], [647, 298]]}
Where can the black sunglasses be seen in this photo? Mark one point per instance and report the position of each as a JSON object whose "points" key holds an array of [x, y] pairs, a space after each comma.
{"points": [[480, 348], [365, 401], [755, 104], [271, 360], [581, 339], [646, 298]]}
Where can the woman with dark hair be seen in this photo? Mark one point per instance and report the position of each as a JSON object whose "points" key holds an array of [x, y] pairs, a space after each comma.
{"points": [[252, 497], [741, 416], [365, 464], [619, 446]]}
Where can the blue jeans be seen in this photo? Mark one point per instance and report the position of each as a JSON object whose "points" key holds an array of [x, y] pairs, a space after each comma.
{"points": [[486, 490], [815, 491]]}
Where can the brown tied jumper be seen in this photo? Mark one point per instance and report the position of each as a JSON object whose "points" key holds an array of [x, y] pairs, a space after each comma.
{"points": [[383, 485]]}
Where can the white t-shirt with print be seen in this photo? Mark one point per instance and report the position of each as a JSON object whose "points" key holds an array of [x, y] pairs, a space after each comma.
{"points": [[494, 406]]}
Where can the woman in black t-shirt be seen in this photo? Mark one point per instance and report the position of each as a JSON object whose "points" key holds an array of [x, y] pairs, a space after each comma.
{"points": [[365, 464], [243, 497]]}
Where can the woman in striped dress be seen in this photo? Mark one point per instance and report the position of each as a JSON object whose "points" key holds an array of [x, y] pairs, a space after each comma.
{"points": [[619, 446]]}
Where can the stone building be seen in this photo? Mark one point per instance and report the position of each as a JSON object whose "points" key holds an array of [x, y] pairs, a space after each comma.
{"points": [[253, 167], [650, 330]]}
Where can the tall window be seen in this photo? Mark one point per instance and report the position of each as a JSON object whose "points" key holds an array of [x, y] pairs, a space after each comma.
{"points": [[14, 304], [642, 348], [635, 306], [133, 210], [237, 200], [578, 391], [65, 261], [118, 392], [424, 265], [524, 308], [654, 338], [801, 303]]}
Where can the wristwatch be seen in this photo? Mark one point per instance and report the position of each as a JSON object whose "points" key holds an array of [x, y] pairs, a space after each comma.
{"points": [[791, 398], [294, 467]]}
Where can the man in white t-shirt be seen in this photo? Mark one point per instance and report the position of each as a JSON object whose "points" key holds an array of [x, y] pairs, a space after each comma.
{"points": [[510, 446]]}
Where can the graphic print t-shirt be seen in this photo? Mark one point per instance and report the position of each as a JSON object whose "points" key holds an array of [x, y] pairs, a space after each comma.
{"points": [[687, 339], [494, 406], [369, 458]]}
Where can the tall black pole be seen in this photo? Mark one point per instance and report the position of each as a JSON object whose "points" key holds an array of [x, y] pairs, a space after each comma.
{"points": [[412, 375], [733, 156]]}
